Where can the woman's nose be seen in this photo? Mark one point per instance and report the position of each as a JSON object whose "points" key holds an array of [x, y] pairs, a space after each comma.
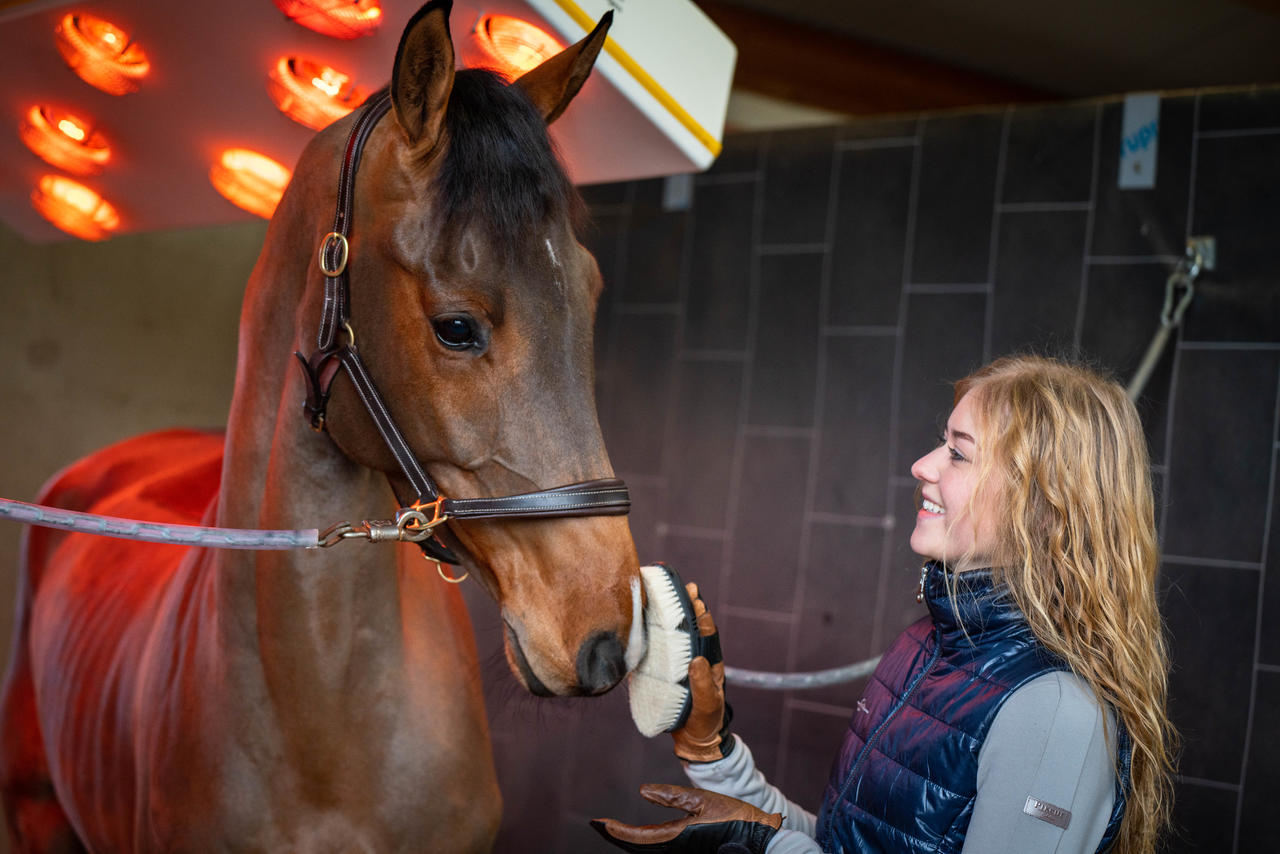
{"points": [[924, 468]]}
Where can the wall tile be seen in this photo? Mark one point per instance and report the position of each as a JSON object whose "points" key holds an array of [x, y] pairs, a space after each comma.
{"points": [[1039, 260], [1203, 820], [648, 504], [1122, 312], [838, 608], [1237, 191], [1144, 222], [1257, 108], [641, 374], [1258, 831], [956, 192], [604, 194], [941, 344], [701, 442], [1269, 640], [870, 235], [1220, 459], [797, 186], [741, 153], [655, 247], [770, 513], [1049, 156], [604, 240], [597, 756], [866, 130], [697, 559], [784, 361], [813, 737], [757, 716], [1211, 648], [720, 267], [852, 473]]}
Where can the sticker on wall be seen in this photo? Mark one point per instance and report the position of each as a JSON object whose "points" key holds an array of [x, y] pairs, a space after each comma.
{"points": [[1139, 135]]}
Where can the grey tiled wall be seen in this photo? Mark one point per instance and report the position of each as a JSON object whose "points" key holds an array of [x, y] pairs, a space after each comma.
{"points": [[773, 358]]}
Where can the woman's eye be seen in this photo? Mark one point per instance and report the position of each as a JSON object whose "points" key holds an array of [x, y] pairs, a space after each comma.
{"points": [[457, 332], [955, 455]]}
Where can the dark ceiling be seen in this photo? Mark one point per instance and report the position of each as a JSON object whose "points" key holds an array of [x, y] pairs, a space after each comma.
{"points": [[844, 55]]}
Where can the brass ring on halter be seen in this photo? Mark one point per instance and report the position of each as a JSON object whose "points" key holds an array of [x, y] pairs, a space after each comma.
{"points": [[342, 256], [452, 579]]}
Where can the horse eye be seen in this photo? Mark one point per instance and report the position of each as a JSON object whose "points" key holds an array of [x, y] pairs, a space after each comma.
{"points": [[456, 331]]}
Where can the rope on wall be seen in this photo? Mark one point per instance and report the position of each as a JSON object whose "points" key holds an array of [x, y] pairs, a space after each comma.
{"points": [[1178, 291]]}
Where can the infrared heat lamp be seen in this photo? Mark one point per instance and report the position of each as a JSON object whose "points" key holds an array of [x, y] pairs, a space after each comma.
{"points": [[512, 45], [63, 140], [341, 19], [249, 180], [74, 208], [101, 54], [311, 93]]}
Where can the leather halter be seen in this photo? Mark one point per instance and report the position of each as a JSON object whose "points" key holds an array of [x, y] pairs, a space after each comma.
{"points": [[604, 497]]}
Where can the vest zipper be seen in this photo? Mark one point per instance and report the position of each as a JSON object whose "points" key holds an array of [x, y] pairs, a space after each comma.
{"points": [[875, 735]]}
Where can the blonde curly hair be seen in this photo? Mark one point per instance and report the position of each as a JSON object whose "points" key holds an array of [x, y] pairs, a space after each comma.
{"points": [[1065, 460]]}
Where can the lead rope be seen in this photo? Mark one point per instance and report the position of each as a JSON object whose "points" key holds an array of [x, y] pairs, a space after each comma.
{"points": [[408, 526]]}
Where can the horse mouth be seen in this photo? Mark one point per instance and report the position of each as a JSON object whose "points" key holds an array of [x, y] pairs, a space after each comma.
{"points": [[516, 656]]}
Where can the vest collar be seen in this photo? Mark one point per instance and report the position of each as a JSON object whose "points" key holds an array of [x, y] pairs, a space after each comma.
{"points": [[980, 605]]}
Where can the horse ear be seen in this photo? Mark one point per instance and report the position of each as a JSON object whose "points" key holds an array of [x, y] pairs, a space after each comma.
{"points": [[423, 74], [552, 85]]}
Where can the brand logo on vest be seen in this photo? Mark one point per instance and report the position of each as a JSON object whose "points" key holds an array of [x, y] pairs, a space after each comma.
{"points": [[1056, 816], [862, 707]]}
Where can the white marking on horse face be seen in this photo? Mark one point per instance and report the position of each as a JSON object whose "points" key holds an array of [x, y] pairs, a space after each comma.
{"points": [[635, 638], [555, 262]]}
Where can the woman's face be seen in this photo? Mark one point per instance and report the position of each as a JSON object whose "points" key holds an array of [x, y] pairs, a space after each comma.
{"points": [[946, 527]]}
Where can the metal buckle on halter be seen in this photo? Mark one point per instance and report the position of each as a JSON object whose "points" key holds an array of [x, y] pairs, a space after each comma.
{"points": [[411, 525], [343, 250]]}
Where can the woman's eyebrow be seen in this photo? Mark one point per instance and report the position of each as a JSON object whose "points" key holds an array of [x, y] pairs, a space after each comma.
{"points": [[960, 434]]}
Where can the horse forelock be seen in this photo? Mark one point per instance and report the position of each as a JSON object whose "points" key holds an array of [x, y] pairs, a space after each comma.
{"points": [[499, 172]]}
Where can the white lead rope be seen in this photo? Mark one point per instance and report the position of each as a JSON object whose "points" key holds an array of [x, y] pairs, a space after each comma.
{"points": [[154, 532]]}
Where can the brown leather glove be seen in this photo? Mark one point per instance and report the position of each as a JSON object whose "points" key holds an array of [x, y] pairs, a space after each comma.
{"points": [[705, 735], [716, 824]]}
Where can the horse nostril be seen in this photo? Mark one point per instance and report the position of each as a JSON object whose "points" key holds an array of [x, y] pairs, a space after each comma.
{"points": [[600, 663]]}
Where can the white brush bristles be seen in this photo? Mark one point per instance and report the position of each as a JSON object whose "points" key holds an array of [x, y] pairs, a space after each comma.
{"points": [[655, 705], [659, 685]]}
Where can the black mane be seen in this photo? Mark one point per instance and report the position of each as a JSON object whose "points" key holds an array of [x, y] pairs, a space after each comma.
{"points": [[500, 171]]}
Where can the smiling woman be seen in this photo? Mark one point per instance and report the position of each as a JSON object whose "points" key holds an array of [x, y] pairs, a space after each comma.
{"points": [[1028, 709]]}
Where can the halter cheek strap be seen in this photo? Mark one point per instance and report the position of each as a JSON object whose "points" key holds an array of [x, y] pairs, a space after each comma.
{"points": [[336, 350]]}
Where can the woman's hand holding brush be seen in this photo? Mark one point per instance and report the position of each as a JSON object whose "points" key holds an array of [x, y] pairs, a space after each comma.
{"points": [[705, 735]]}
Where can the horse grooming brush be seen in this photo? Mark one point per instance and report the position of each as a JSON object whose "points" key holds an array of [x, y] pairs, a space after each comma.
{"points": [[659, 685]]}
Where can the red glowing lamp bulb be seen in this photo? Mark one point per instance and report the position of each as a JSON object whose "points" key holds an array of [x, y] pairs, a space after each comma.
{"points": [[63, 140], [249, 180], [342, 19], [101, 53], [513, 45], [74, 208], [310, 93]]}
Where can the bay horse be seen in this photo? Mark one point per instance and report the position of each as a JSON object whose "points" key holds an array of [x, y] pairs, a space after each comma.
{"points": [[167, 698]]}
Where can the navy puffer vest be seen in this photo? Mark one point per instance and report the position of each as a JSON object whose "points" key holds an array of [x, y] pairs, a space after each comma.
{"points": [[906, 775]]}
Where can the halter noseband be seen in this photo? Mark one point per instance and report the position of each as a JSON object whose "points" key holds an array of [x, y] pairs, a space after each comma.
{"points": [[604, 497]]}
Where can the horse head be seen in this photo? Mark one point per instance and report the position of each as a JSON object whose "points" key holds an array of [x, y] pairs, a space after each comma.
{"points": [[474, 303]]}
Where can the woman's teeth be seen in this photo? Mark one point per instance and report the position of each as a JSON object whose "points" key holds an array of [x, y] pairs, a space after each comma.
{"points": [[931, 507]]}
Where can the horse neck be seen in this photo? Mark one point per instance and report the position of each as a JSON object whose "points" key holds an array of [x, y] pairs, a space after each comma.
{"points": [[316, 619]]}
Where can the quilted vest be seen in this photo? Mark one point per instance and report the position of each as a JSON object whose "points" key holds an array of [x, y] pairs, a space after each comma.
{"points": [[906, 775]]}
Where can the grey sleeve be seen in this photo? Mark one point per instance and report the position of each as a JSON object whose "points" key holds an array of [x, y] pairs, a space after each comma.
{"points": [[1046, 778]]}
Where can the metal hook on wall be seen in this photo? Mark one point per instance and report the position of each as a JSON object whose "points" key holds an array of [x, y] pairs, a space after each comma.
{"points": [[1201, 254]]}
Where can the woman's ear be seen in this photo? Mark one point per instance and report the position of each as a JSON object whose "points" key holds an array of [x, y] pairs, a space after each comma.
{"points": [[552, 85], [423, 74]]}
